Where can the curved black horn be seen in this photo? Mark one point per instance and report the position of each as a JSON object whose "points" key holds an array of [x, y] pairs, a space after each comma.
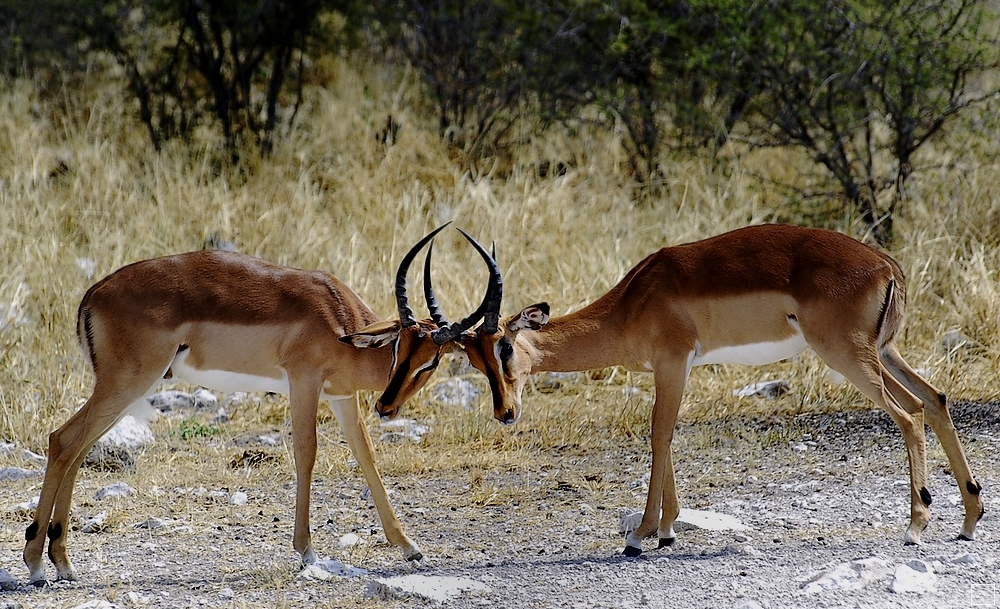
{"points": [[491, 302], [436, 313], [402, 302]]}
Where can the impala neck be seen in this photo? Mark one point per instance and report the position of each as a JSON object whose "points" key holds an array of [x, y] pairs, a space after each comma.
{"points": [[584, 340]]}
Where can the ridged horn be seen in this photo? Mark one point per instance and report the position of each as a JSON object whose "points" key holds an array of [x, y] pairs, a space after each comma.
{"points": [[491, 301], [436, 313], [406, 317]]}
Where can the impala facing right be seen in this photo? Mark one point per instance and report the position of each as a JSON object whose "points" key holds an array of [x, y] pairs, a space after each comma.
{"points": [[751, 296]]}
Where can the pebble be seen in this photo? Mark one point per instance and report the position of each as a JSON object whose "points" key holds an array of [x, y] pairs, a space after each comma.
{"points": [[238, 498]]}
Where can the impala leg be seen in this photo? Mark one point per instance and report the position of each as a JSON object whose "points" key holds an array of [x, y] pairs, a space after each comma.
{"points": [[348, 413], [68, 447], [662, 505], [868, 375], [939, 418], [303, 400]]}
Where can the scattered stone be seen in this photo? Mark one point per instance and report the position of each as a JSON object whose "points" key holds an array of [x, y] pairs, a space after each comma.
{"points": [[97, 604], [9, 474], [170, 400], [457, 392], [326, 570], [965, 559], [95, 524], [174, 400], [238, 498], [129, 432], [692, 520], [752, 605], [582, 530], [27, 507], [770, 390], [118, 489], [852, 575], [221, 416], [349, 541], [7, 581], [551, 381], [914, 576], [152, 523], [9, 450], [687, 520], [269, 440], [403, 429], [110, 458], [227, 593], [433, 588]]}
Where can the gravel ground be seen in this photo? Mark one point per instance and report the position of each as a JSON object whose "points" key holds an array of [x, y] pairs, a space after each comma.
{"points": [[817, 491]]}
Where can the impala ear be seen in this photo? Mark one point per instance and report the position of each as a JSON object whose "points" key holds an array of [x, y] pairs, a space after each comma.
{"points": [[379, 334], [530, 318]]}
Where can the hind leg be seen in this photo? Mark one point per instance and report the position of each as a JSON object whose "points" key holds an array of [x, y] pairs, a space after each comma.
{"points": [[861, 366], [939, 418], [68, 446]]}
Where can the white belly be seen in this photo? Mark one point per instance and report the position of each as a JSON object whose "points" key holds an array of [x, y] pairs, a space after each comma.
{"points": [[224, 380], [755, 354]]}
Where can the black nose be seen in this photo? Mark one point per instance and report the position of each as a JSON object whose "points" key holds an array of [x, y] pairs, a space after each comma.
{"points": [[508, 417]]}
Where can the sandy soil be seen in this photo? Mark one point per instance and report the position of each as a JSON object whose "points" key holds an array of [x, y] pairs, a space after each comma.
{"points": [[817, 491]]}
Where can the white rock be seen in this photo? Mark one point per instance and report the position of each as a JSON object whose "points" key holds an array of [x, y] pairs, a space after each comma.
{"points": [[151, 523], [7, 581], [965, 559], [171, 400], [97, 604], [690, 520], [130, 432], [95, 524], [914, 576], [765, 389], [118, 489], [457, 392], [238, 498], [326, 570], [17, 473], [852, 575], [203, 399], [349, 541], [433, 588], [400, 429]]}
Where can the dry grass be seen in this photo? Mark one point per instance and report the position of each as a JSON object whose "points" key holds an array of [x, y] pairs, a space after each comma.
{"points": [[77, 181]]}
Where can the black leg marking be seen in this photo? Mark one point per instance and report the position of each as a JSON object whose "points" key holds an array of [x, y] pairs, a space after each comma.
{"points": [[55, 530], [31, 532], [974, 488], [632, 552], [666, 542], [925, 495]]}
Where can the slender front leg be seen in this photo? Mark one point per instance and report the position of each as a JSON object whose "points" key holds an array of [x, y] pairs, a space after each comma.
{"points": [[669, 376], [359, 441], [303, 400]]}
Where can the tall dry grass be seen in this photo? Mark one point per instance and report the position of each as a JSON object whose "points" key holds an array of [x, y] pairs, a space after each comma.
{"points": [[79, 182]]}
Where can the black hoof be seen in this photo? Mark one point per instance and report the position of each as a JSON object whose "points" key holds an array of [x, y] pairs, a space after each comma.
{"points": [[632, 552], [40, 583], [666, 542], [416, 557], [910, 543], [964, 538]]}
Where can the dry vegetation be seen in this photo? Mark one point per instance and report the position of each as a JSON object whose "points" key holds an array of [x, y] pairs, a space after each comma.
{"points": [[78, 181]]}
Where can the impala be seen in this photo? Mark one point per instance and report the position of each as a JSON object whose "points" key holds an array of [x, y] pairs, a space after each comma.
{"points": [[232, 322], [751, 296]]}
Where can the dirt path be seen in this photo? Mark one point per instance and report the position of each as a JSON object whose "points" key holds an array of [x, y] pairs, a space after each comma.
{"points": [[817, 492]]}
